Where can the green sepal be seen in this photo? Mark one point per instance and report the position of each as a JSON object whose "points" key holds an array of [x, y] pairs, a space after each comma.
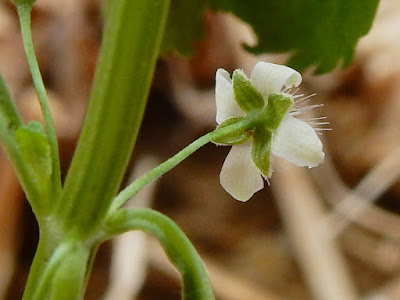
{"points": [[35, 149], [233, 138], [261, 150], [246, 95], [278, 105]]}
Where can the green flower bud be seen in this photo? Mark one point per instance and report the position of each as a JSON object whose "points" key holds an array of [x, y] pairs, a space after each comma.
{"points": [[234, 138], [246, 95]]}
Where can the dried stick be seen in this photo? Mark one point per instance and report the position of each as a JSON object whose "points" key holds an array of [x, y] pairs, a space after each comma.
{"points": [[390, 291], [356, 205], [318, 255]]}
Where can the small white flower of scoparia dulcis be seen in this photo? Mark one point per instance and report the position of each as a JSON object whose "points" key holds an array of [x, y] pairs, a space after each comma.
{"points": [[272, 128]]}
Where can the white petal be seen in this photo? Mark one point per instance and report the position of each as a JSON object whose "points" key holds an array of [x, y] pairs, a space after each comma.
{"points": [[297, 142], [227, 106], [239, 176], [270, 78]]}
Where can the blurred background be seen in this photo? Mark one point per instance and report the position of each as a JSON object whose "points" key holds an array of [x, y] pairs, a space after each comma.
{"points": [[329, 233]]}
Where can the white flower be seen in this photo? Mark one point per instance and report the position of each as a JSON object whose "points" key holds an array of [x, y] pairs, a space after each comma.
{"points": [[293, 139]]}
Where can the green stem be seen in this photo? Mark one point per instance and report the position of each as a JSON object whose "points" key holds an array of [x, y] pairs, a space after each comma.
{"points": [[160, 170], [22, 170], [44, 284], [10, 121], [59, 270], [8, 108], [131, 42], [196, 285], [44, 251], [24, 12]]}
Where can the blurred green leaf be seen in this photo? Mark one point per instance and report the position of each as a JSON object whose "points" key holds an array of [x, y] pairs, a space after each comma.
{"points": [[35, 149], [320, 33], [185, 26]]}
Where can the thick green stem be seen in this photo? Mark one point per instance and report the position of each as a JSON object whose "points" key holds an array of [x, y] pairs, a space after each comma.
{"points": [[24, 12], [58, 271], [196, 285], [44, 251], [131, 42]]}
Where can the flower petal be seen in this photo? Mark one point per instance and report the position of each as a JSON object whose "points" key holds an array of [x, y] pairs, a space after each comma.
{"points": [[227, 107], [270, 78], [297, 142], [239, 176]]}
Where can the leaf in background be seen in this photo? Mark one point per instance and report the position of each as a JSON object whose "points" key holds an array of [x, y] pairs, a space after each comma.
{"points": [[320, 33], [35, 148], [185, 26]]}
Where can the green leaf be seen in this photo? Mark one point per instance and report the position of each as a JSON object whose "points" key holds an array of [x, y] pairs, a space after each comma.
{"points": [[246, 95], [278, 105], [234, 138], [185, 25], [35, 149], [320, 33], [261, 150]]}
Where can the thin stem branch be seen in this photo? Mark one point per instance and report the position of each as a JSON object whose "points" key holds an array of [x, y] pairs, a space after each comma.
{"points": [[24, 12], [10, 121], [160, 170], [8, 108]]}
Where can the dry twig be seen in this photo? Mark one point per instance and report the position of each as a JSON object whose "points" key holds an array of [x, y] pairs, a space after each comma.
{"points": [[318, 256]]}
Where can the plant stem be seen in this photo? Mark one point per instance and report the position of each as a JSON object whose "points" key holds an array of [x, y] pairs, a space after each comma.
{"points": [[8, 108], [43, 253], [132, 38], [24, 12], [160, 170], [10, 121], [196, 285], [59, 270]]}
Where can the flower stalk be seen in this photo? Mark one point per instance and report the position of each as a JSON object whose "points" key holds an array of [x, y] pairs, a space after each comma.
{"points": [[220, 133], [24, 12]]}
